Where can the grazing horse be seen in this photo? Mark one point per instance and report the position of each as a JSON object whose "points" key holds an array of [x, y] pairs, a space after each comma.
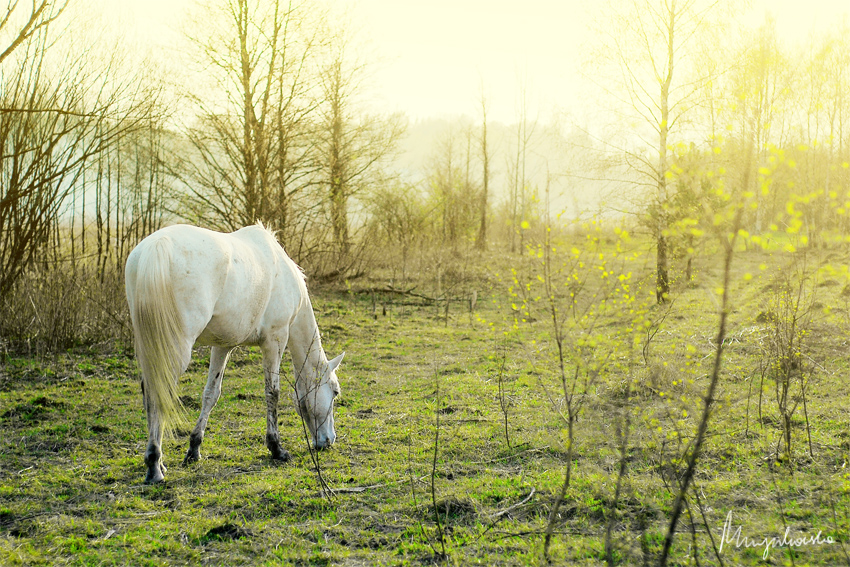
{"points": [[188, 285]]}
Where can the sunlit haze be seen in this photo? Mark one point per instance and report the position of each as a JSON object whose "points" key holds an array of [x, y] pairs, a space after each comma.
{"points": [[434, 58]]}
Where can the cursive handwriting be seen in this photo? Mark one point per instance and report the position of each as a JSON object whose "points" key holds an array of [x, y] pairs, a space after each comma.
{"points": [[734, 537]]}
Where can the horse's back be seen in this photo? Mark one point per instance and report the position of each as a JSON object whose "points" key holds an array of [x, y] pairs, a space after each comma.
{"points": [[231, 288]]}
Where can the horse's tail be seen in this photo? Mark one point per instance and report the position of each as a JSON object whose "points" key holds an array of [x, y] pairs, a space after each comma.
{"points": [[158, 329]]}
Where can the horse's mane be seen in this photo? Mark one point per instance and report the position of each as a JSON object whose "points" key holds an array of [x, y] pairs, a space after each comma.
{"points": [[268, 229], [298, 268], [273, 234]]}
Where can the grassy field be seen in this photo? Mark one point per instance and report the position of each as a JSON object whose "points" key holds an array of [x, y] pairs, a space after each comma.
{"points": [[441, 406]]}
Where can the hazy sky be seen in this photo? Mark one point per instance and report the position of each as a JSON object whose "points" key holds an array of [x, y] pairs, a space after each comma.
{"points": [[436, 54]]}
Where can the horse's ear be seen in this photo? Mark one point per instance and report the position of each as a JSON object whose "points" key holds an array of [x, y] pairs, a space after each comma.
{"points": [[334, 364]]}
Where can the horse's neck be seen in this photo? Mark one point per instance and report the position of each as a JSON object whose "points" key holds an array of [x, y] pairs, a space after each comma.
{"points": [[305, 343]]}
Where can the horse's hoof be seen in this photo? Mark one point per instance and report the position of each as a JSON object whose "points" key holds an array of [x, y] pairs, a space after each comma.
{"points": [[192, 456], [154, 476], [281, 455]]}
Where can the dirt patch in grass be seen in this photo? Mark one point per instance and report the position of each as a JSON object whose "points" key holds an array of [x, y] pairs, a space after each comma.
{"points": [[226, 532], [456, 510]]}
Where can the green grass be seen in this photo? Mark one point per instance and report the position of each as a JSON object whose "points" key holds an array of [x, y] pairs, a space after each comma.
{"points": [[72, 434]]}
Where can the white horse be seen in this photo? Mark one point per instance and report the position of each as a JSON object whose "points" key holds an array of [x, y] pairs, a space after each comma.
{"points": [[188, 285]]}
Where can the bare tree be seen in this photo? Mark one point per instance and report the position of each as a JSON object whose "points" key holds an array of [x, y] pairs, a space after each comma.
{"points": [[352, 144], [42, 13], [252, 143], [60, 108], [451, 187], [525, 129], [646, 47], [481, 239]]}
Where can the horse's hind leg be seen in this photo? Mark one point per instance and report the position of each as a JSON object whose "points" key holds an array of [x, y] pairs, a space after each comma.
{"points": [[212, 392], [153, 454], [271, 370]]}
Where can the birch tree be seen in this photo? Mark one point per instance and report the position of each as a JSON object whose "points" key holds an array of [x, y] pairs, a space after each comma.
{"points": [[645, 58]]}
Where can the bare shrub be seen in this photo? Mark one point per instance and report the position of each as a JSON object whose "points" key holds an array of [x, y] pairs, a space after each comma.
{"points": [[55, 306]]}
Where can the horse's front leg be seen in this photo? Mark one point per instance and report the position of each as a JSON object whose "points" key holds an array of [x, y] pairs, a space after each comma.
{"points": [[271, 368], [212, 392]]}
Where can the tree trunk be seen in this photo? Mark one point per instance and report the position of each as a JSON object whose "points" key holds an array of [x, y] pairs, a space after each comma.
{"points": [[481, 240], [248, 117], [338, 174], [662, 281]]}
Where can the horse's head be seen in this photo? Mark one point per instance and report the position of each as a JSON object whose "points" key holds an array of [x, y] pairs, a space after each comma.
{"points": [[314, 399]]}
